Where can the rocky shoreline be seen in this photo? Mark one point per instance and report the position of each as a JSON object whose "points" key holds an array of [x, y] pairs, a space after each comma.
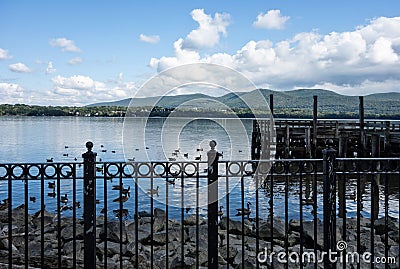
{"points": [[174, 230]]}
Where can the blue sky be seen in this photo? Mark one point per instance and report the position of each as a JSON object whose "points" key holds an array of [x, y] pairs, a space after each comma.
{"points": [[81, 52]]}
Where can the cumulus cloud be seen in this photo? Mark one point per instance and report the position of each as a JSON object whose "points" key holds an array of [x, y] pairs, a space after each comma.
{"points": [[81, 90], [64, 44], [208, 33], [50, 69], [271, 20], [153, 39], [11, 93], [75, 61], [4, 55], [368, 55], [19, 68]]}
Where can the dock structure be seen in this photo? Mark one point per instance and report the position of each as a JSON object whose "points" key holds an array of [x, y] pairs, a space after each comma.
{"points": [[306, 138]]}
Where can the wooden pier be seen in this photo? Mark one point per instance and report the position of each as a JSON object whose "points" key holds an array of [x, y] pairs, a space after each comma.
{"points": [[301, 139]]}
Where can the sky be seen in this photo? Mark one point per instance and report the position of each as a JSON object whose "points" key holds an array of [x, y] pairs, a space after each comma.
{"points": [[82, 52]]}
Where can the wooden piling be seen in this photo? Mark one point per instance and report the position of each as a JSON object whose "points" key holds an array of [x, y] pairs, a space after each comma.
{"points": [[315, 122], [271, 104], [363, 139]]}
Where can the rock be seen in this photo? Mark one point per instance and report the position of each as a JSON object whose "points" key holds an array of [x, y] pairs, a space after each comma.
{"points": [[278, 229], [68, 249], [188, 262], [159, 213], [235, 226], [67, 233], [191, 220], [113, 232], [308, 232], [112, 248], [380, 225]]}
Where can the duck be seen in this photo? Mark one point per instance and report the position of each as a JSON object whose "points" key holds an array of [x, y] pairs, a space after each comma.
{"points": [[50, 160], [174, 154], [121, 212], [171, 181], [52, 194], [244, 211], [65, 154], [123, 199], [32, 199], [113, 151], [199, 149], [103, 150], [220, 213], [177, 150], [126, 191], [186, 155], [97, 201], [65, 207], [78, 204], [198, 158], [171, 159], [131, 159], [147, 148], [118, 187], [64, 199], [66, 146], [153, 191], [52, 185], [102, 146]]}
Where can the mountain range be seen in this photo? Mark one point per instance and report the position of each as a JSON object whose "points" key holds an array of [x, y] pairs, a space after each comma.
{"points": [[285, 102]]}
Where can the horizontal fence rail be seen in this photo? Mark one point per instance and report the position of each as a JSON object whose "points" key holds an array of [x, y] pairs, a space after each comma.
{"points": [[216, 213]]}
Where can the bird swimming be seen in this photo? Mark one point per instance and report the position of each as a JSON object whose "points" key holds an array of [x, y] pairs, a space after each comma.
{"points": [[153, 191], [244, 211]]}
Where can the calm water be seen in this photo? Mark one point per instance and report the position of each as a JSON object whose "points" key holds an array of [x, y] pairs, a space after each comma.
{"points": [[35, 139]]}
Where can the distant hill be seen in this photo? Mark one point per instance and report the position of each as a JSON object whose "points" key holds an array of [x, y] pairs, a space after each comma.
{"points": [[292, 102]]}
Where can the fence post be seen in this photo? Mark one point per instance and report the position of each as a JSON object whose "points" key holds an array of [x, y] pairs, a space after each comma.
{"points": [[329, 200], [89, 206], [213, 156]]}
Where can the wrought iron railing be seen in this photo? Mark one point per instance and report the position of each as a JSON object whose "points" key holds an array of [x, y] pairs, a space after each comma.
{"points": [[156, 214]]}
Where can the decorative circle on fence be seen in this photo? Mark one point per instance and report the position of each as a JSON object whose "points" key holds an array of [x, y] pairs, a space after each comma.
{"points": [[17, 171], [3, 172], [190, 169], [50, 171], [34, 171]]}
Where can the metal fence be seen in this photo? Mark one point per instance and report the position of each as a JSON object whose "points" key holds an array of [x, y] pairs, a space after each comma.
{"points": [[236, 214]]}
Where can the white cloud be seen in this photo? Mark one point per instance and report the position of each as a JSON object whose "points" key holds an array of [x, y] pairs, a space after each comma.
{"points": [[368, 55], [75, 61], [208, 33], [153, 39], [11, 93], [82, 90], [64, 44], [4, 55], [19, 68], [50, 69], [271, 20]]}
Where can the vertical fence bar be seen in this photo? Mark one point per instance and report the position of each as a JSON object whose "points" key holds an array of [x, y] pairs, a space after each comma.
{"points": [[315, 122], [9, 200], [329, 200], [26, 237], [42, 208], [213, 156], [89, 209], [58, 172]]}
